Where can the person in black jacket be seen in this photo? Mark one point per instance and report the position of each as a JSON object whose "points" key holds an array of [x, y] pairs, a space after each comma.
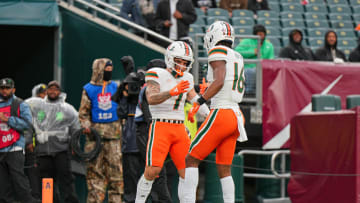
{"points": [[256, 5], [355, 54], [295, 50], [329, 51], [173, 18]]}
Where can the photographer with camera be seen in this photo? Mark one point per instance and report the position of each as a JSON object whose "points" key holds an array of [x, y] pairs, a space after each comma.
{"points": [[127, 96]]}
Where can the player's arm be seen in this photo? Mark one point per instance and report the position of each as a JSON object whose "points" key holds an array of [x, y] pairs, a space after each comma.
{"points": [[153, 94], [219, 72], [203, 109]]}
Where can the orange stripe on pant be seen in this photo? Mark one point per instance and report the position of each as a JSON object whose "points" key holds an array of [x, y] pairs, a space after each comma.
{"points": [[167, 138], [219, 131]]}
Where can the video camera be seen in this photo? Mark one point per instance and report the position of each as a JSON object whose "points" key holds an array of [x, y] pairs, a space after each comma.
{"points": [[135, 81]]}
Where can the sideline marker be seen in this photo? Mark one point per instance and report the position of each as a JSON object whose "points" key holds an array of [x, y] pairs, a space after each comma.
{"points": [[47, 190]]}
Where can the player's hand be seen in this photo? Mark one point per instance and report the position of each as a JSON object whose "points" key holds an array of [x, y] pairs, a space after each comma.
{"points": [[195, 108], [203, 86], [167, 23], [177, 15], [180, 88]]}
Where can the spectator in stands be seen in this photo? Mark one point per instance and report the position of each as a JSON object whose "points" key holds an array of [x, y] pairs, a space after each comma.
{"points": [[173, 18], [147, 8], [130, 10], [248, 49], [295, 50], [355, 53], [329, 51], [231, 5], [256, 5], [204, 5]]}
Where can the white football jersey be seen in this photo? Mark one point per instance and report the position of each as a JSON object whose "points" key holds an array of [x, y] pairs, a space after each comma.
{"points": [[172, 108], [233, 90]]}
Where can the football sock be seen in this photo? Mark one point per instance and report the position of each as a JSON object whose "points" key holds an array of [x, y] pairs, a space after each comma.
{"points": [[143, 189], [228, 189]]}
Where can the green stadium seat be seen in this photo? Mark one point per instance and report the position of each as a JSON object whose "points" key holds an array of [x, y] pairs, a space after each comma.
{"points": [[290, 15], [316, 1], [315, 16], [356, 17], [336, 2], [274, 6], [292, 7], [325, 102], [200, 22], [211, 20], [346, 42], [294, 23], [289, 1], [269, 22], [354, 2], [316, 8], [315, 43], [195, 29], [243, 30], [240, 21], [200, 13], [356, 9], [213, 191], [352, 101], [317, 32], [242, 13], [317, 24], [275, 41], [339, 16], [217, 12], [339, 8], [268, 14], [346, 50], [277, 51], [345, 33], [273, 32], [285, 40], [339, 24]]}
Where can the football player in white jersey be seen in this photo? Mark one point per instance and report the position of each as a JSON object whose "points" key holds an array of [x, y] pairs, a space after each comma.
{"points": [[224, 125], [166, 92]]}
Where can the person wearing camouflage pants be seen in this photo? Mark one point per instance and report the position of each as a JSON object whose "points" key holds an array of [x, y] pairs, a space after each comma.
{"points": [[98, 111]]}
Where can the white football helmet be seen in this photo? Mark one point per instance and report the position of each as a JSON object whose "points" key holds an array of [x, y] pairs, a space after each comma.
{"points": [[178, 49], [218, 31]]}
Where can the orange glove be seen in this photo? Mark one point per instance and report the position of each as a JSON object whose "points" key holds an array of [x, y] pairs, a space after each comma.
{"points": [[203, 86], [195, 108], [180, 88]]}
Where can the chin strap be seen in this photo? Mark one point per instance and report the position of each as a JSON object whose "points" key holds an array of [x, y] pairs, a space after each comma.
{"points": [[176, 74]]}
